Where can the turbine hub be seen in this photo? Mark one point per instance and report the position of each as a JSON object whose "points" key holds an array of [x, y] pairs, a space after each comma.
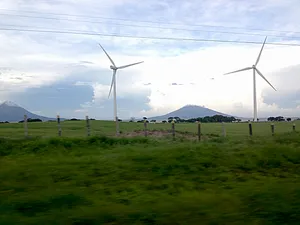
{"points": [[253, 66], [112, 67]]}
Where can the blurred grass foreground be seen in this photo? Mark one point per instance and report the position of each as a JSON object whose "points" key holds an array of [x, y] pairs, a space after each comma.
{"points": [[106, 180]]}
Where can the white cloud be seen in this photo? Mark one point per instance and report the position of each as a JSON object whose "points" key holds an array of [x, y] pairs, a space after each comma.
{"points": [[44, 58], [125, 86], [224, 92], [81, 111]]}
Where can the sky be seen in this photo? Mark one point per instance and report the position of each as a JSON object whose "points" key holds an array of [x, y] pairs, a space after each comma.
{"points": [[52, 73]]}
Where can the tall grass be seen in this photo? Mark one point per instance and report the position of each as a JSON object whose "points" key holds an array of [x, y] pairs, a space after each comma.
{"points": [[103, 180]]}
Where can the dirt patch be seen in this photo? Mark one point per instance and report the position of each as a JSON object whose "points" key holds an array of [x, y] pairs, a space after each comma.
{"points": [[164, 134], [141, 133]]}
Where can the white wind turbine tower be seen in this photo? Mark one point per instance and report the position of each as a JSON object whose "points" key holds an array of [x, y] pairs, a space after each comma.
{"points": [[113, 84], [254, 80]]}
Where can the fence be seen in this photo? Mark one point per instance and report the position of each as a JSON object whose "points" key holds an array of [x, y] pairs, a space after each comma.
{"points": [[197, 131]]}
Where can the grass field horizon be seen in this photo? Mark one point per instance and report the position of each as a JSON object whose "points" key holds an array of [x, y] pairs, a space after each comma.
{"points": [[103, 179], [107, 128]]}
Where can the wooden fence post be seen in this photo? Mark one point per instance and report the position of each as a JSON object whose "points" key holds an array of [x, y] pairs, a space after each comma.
{"points": [[199, 130], [88, 126], [58, 125], [294, 127], [145, 128], [223, 129], [250, 129], [272, 128], [25, 126], [173, 129]]}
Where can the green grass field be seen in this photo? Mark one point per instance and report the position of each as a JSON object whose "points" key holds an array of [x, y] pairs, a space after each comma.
{"points": [[107, 180], [78, 128]]}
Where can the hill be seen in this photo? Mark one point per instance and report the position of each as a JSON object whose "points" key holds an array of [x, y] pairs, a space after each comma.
{"points": [[188, 112], [11, 112]]}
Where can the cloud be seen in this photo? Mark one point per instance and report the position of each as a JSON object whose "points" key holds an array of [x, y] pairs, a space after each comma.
{"points": [[175, 84], [286, 80], [43, 67], [223, 92], [59, 97], [80, 111]]}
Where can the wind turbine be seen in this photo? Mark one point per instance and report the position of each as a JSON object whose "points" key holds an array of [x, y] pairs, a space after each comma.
{"points": [[113, 84], [254, 68]]}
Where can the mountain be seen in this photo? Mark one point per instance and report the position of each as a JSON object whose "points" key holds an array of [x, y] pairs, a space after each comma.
{"points": [[188, 112], [11, 112]]}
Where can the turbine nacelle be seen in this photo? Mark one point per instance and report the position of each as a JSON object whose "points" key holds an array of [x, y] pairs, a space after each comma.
{"points": [[253, 66], [113, 67]]}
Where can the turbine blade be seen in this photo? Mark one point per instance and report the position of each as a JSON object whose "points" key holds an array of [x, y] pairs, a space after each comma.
{"points": [[122, 67], [247, 68], [260, 51], [107, 55], [264, 78], [112, 82]]}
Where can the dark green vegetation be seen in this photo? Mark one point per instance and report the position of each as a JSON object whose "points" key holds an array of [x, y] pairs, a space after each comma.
{"points": [[206, 119], [101, 180]]}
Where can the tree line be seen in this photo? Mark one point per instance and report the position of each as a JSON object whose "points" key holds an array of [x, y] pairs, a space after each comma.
{"points": [[280, 118], [206, 119]]}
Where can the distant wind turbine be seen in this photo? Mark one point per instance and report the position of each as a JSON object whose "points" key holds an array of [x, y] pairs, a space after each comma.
{"points": [[254, 79], [113, 84]]}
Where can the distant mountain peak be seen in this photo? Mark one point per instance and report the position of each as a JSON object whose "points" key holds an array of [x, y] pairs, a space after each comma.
{"points": [[192, 106], [10, 103], [11, 112], [190, 111]]}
